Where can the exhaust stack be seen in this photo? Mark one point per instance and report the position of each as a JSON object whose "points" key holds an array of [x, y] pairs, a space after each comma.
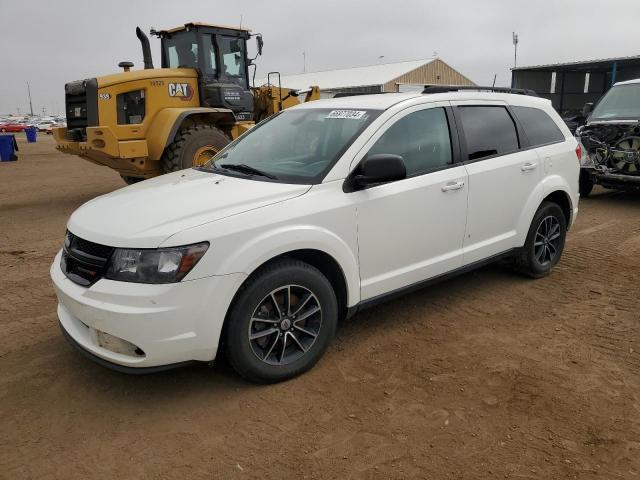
{"points": [[146, 49]]}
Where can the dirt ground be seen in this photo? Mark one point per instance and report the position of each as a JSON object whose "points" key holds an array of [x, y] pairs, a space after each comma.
{"points": [[489, 375]]}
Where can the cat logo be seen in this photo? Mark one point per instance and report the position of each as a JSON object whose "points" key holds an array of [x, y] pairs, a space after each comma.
{"points": [[183, 91]]}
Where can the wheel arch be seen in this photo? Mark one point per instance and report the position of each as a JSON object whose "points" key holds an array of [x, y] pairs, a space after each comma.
{"points": [[563, 200], [168, 121], [554, 190], [319, 259]]}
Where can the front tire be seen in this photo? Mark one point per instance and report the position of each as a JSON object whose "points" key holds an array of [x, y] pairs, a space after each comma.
{"points": [[545, 242], [193, 146], [281, 322]]}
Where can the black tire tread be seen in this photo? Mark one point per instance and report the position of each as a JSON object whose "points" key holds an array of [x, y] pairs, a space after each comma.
{"points": [[270, 268], [172, 157], [522, 260]]}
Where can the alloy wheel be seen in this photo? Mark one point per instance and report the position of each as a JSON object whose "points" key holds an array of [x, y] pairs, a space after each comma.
{"points": [[285, 325], [547, 241]]}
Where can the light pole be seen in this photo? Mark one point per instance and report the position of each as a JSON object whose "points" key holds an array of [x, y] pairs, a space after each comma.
{"points": [[304, 62], [30, 104]]}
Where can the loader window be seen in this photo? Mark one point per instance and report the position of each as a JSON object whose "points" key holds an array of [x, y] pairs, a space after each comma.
{"points": [[209, 55], [233, 59], [181, 50]]}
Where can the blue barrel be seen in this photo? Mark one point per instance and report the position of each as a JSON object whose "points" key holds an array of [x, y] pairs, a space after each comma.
{"points": [[8, 148], [31, 134]]}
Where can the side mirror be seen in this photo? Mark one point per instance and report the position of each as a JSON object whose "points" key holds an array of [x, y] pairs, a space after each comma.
{"points": [[259, 44], [380, 168], [587, 109]]}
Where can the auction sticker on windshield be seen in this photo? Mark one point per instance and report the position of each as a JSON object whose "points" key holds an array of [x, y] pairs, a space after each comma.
{"points": [[354, 114]]}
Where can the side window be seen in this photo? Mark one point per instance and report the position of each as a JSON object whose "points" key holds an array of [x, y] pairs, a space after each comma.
{"points": [[538, 126], [182, 50], [233, 59], [421, 138], [488, 131], [209, 55], [130, 107]]}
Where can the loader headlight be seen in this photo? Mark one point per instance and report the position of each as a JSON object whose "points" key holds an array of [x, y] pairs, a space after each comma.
{"points": [[161, 265]]}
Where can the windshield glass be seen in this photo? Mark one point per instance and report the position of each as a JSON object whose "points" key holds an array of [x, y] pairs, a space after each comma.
{"points": [[295, 146], [622, 101], [181, 50]]}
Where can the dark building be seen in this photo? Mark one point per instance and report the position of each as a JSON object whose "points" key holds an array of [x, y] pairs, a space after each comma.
{"points": [[570, 85]]}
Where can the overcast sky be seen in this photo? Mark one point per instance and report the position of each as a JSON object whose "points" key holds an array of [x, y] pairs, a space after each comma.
{"points": [[49, 43]]}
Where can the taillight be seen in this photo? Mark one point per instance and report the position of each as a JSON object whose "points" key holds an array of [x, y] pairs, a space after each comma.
{"points": [[579, 152]]}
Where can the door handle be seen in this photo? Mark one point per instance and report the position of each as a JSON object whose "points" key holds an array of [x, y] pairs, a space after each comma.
{"points": [[452, 186], [528, 166]]}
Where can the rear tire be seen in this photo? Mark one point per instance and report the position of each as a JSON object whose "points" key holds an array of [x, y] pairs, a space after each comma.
{"points": [[131, 180], [545, 242], [193, 146], [269, 342], [585, 183]]}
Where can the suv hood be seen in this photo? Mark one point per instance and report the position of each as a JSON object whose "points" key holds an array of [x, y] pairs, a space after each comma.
{"points": [[147, 213]]}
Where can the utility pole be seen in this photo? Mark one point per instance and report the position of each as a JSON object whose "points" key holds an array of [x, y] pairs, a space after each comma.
{"points": [[30, 104], [515, 49]]}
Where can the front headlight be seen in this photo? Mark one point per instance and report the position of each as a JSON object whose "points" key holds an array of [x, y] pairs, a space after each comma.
{"points": [[161, 265]]}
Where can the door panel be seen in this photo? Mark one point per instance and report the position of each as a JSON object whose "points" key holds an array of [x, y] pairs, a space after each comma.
{"points": [[410, 230], [502, 177], [499, 188]]}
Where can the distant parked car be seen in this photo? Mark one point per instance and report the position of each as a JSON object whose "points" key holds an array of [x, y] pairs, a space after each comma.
{"points": [[43, 126], [50, 128], [13, 127]]}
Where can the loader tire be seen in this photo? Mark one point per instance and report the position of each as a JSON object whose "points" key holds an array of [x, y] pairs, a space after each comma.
{"points": [[193, 146]]}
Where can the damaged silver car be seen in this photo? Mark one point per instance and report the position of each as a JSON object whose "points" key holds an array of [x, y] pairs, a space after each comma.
{"points": [[611, 140]]}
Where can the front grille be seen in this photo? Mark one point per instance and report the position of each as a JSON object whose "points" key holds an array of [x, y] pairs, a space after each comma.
{"points": [[84, 262], [81, 106]]}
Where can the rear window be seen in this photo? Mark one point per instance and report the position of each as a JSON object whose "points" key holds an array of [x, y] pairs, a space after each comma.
{"points": [[538, 126], [488, 130]]}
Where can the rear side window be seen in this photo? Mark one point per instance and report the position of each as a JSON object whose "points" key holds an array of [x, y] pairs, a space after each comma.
{"points": [[539, 128], [488, 131], [420, 138]]}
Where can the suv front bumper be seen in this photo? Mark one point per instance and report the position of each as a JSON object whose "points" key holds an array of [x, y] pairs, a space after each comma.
{"points": [[168, 324]]}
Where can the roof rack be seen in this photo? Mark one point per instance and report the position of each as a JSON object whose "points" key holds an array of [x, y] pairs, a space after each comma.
{"points": [[456, 88]]}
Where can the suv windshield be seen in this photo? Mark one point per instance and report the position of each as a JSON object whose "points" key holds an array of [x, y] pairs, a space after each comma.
{"points": [[622, 101], [295, 146]]}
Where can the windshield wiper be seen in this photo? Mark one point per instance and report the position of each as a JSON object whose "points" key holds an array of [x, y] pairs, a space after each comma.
{"points": [[244, 168]]}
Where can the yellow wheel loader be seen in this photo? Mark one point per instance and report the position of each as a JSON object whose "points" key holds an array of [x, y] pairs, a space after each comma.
{"points": [[144, 123]]}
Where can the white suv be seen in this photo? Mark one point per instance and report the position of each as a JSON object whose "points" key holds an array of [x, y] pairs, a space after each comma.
{"points": [[314, 214]]}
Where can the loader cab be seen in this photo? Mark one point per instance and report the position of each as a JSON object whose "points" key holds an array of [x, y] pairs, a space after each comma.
{"points": [[219, 54]]}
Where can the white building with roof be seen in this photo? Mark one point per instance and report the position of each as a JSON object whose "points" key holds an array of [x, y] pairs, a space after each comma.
{"points": [[386, 77]]}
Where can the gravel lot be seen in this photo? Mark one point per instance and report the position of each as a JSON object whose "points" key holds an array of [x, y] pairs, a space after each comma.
{"points": [[489, 375]]}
